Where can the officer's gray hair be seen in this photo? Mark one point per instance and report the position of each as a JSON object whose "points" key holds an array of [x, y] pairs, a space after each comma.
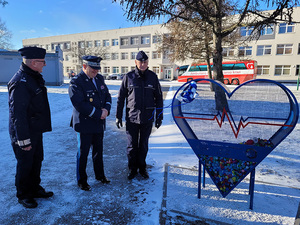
{"points": [[27, 61]]}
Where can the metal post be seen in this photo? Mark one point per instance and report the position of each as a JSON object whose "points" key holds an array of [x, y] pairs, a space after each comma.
{"points": [[199, 181], [203, 176], [251, 188]]}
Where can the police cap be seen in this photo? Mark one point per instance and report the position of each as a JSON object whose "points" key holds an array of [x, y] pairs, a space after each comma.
{"points": [[92, 61], [141, 56], [32, 52]]}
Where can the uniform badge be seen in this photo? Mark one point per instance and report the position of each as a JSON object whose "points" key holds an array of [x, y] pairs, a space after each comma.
{"points": [[102, 87], [91, 100]]}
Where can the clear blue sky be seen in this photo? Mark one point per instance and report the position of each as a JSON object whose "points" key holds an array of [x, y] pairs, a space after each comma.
{"points": [[42, 18]]}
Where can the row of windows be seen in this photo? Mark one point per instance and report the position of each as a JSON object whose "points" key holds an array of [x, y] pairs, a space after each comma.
{"points": [[280, 70], [281, 49], [117, 69], [229, 66], [125, 41], [269, 29], [124, 56]]}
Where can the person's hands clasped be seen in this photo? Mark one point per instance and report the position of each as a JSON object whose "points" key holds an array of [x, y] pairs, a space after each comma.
{"points": [[104, 114], [119, 123]]}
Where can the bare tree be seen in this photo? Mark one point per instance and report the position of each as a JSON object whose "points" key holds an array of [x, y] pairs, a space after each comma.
{"points": [[222, 16], [5, 36], [188, 40]]}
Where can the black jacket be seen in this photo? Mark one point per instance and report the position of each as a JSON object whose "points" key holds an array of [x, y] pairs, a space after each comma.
{"points": [[88, 102], [29, 109], [143, 96]]}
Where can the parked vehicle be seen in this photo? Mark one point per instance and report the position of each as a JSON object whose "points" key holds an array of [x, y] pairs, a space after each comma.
{"points": [[235, 72], [115, 76], [105, 75]]}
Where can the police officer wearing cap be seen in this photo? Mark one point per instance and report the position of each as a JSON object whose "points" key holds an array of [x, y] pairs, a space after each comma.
{"points": [[91, 105], [29, 118], [142, 92]]}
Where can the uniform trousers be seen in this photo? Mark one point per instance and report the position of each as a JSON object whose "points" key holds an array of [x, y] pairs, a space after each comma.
{"points": [[137, 144], [29, 165], [85, 142]]}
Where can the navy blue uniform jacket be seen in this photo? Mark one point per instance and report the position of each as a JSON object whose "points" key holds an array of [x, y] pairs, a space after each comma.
{"points": [[88, 102], [143, 97], [29, 109]]}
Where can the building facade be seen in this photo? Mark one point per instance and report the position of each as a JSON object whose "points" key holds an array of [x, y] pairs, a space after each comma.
{"points": [[118, 49], [10, 62], [277, 51]]}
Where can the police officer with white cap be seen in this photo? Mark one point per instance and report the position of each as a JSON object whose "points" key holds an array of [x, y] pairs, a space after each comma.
{"points": [[91, 105], [29, 118], [142, 92]]}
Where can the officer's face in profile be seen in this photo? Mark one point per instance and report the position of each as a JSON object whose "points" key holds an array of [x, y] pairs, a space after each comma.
{"points": [[90, 71], [141, 65], [38, 65]]}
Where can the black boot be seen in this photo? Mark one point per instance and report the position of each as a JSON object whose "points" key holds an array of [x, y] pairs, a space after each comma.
{"points": [[132, 174]]}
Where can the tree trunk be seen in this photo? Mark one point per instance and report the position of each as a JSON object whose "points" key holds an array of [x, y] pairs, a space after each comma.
{"points": [[220, 96]]}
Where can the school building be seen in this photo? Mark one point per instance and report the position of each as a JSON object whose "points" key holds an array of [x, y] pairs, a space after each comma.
{"points": [[277, 51]]}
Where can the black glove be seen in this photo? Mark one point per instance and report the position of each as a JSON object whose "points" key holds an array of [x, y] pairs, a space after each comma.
{"points": [[119, 123], [158, 123]]}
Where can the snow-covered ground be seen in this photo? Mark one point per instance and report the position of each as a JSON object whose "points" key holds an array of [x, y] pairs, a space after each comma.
{"points": [[168, 197]]}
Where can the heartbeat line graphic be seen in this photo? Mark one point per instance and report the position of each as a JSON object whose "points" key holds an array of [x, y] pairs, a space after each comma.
{"points": [[235, 129]]}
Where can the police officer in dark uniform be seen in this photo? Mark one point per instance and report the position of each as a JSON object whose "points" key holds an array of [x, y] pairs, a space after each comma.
{"points": [[91, 105], [29, 118], [142, 92]]}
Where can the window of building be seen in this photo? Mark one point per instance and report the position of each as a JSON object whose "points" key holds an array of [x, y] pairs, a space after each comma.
{"points": [[68, 57], [155, 69], [67, 45], [81, 44], [133, 67], [286, 28], [284, 49], [115, 42], [124, 55], [263, 70], [106, 56], [282, 70], [97, 43], [245, 51], [124, 41], [105, 43], [115, 69], [114, 56], [124, 69], [133, 55], [268, 30], [52, 46], [47, 47], [246, 31], [106, 69], [134, 40], [156, 55], [68, 69], [156, 39], [145, 40], [166, 54], [298, 48], [264, 50], [89, 44], [228, 52], [297, 70]]}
